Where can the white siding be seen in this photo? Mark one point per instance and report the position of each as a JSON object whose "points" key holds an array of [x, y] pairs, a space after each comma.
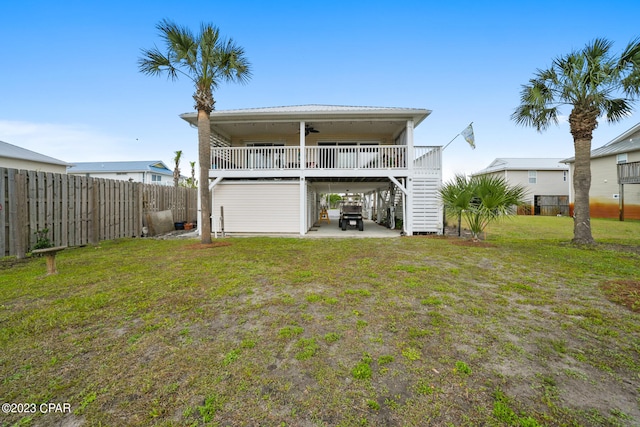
{"points": [[427, 208], [312, 208], [604, 181], [548, 183], [257, 207], [10, 163]]}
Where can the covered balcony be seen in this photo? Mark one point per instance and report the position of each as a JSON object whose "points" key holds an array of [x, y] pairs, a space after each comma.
{"points": [[317, 140]]}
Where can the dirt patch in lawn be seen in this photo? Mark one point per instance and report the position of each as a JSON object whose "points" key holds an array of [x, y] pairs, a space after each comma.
{"points": [[472, 243], [623, 292]]}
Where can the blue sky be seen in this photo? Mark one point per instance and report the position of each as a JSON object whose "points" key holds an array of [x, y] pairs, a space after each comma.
{"points": [[70, 87]]}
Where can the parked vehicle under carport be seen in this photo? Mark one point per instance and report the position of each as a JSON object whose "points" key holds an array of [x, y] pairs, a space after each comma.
{"points": [[351, 216]]}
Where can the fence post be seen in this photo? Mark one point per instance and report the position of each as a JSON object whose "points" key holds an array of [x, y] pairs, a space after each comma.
{"points": [[18, 212], [3, 207], [94, 211]]}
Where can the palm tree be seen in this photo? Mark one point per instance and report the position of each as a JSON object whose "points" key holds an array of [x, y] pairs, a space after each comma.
{"points": [[593, 83], [480, 200], [456, 196], [176, 170], [193, 183], [207, 60]]}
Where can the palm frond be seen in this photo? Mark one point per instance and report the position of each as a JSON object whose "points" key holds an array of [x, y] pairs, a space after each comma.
{"points": [[154, 63], [204, 58], [617, 109]]}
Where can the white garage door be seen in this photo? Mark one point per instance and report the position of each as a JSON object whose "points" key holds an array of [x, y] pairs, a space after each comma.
{"points": [[257, 207]]}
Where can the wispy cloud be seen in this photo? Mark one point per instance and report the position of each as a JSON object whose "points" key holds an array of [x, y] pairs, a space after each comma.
{"points": [[69, 142]]}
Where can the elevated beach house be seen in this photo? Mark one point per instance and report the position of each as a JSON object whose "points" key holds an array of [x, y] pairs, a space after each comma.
{"points": [[545, 180], [271, 168]]}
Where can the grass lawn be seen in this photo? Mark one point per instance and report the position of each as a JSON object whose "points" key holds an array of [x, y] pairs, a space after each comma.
{"points": [[521, 330]]}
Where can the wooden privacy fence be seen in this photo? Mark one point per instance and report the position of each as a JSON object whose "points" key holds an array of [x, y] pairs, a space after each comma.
{"points": [[79, 210]]}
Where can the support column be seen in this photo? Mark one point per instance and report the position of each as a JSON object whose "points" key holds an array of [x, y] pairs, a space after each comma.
{"points": [[303, 182], [408, 207], [303, 205], [198, 207], [214, 223], [303, 154], [621, 202]]}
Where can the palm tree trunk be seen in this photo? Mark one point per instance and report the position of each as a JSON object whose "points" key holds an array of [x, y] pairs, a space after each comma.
{"points": [[204, 160], [581, 186]]}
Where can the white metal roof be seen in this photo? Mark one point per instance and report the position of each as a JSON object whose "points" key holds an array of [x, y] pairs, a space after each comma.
{"points": [[156, 166], [324, 109], [11, 151], [507, 164], [625, 143]]}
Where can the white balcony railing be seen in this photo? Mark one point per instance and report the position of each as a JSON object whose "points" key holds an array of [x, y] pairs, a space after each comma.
{"points": [[319, 157], [357, 157]]}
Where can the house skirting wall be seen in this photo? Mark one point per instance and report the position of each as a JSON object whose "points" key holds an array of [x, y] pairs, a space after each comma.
{"points": [[600, 208]]}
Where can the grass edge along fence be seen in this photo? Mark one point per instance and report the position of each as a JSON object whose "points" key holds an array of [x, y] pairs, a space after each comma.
{"points": [[78, 210]]}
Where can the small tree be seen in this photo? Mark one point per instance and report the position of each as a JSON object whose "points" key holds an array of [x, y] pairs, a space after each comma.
{"points": [[591, 83], [176, 170], [456, 196], [193, 183], [480, 200], [334, 200]]}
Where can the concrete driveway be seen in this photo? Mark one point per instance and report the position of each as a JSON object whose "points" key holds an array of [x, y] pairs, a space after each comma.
{"points": [[371, 229]]}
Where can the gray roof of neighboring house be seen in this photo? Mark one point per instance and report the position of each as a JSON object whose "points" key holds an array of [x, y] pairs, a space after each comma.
{"points": [[156, 166], [523, 164], [11, 151], [627, 142]]}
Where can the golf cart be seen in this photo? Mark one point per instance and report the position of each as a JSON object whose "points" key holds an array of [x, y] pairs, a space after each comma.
{"points": [[351, 216]]}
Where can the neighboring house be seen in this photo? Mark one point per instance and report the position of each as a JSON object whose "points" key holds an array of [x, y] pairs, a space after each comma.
{"points": [[545, 180], [147, 172], [14, 157], [271, 166], [606, 194]]}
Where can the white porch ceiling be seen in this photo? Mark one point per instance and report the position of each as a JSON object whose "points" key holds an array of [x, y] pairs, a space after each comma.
{"points": [[346, 186], [327, 120]]}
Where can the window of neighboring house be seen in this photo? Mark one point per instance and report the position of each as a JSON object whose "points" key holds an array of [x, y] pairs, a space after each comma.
{"points": [[533, 177], [156, 178], [621, 158], [565, 175]]}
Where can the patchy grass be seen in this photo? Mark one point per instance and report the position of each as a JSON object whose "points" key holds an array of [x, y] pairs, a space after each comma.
{"points": [[623, 292], [527, 330]]}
